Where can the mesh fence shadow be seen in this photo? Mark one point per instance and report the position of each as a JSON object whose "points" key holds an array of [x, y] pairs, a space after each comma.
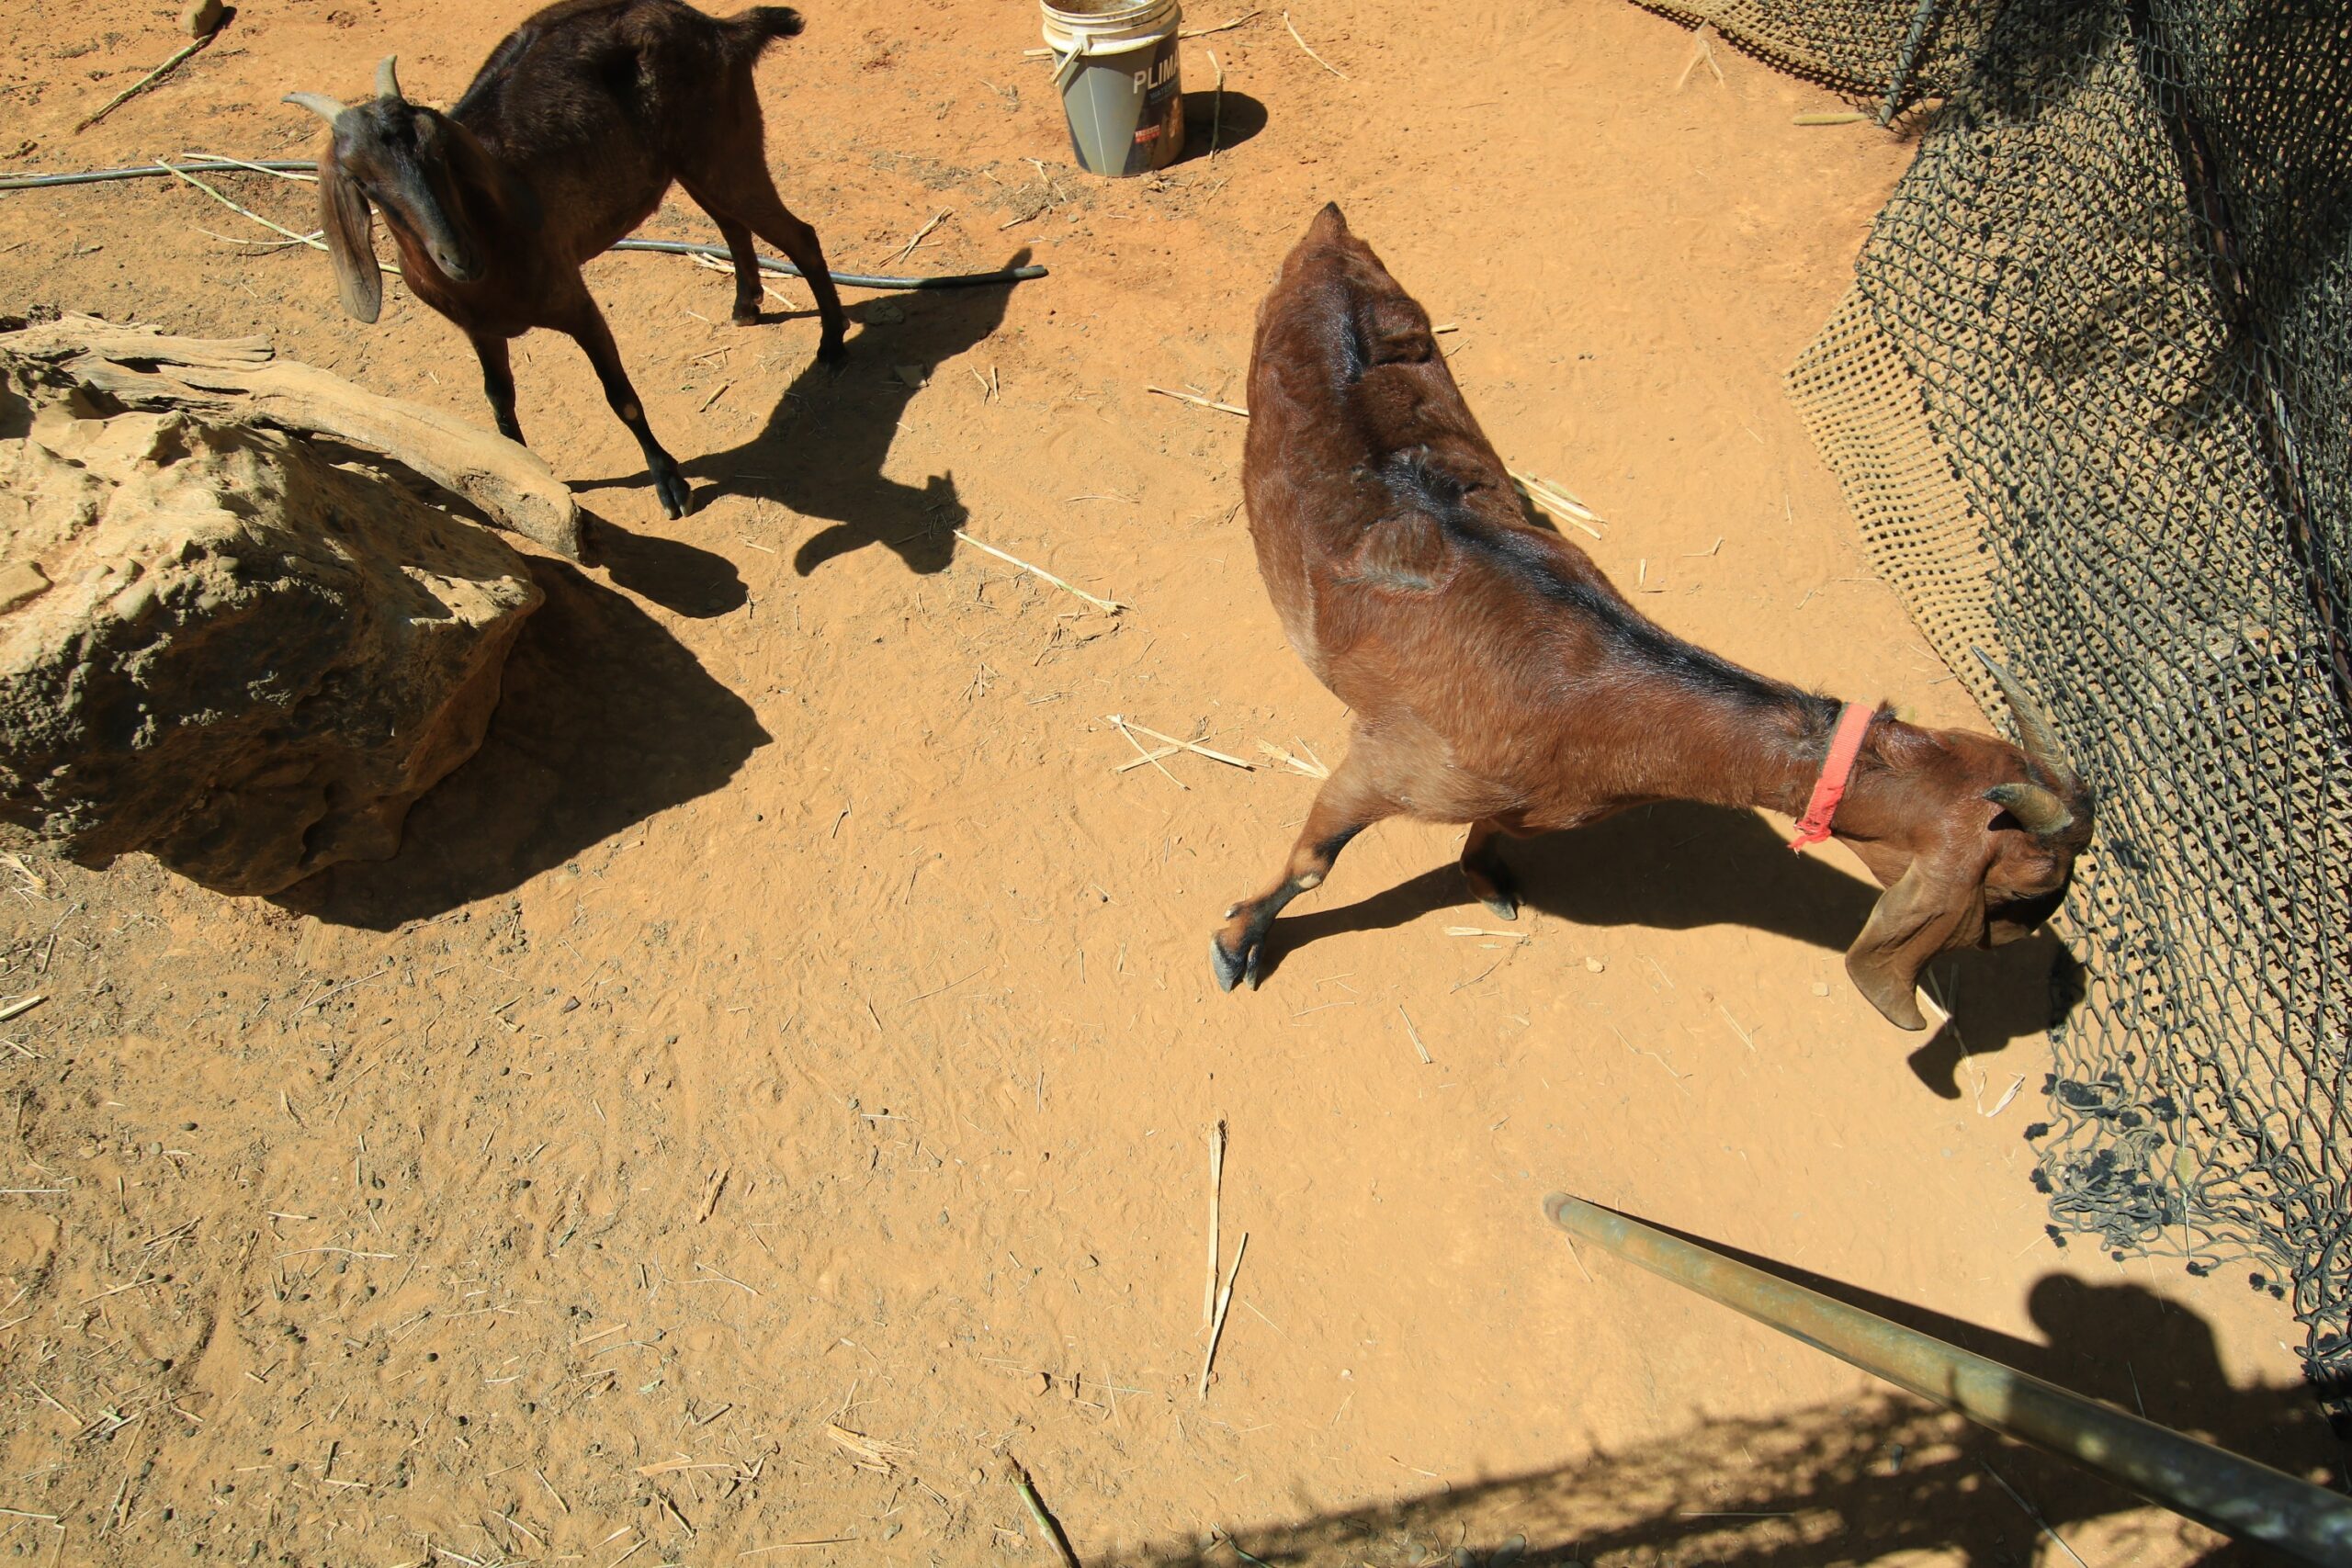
{"points": [[2090, 397]]}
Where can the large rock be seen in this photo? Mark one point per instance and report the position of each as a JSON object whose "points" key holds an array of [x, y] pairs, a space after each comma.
{"points": [[220, 647]]}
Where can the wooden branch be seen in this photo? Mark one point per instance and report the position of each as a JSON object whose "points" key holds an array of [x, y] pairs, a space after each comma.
{"points": [[242, 381]]}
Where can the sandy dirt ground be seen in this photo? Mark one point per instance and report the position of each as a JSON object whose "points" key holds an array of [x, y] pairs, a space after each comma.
{"points": [[769, 1093]]}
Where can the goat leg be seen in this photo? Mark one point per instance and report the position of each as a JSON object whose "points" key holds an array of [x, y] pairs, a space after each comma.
{"points": [[1492, 883], [751, 199], [498, 383], [1346, 805], [586, 325], [748, 292]]}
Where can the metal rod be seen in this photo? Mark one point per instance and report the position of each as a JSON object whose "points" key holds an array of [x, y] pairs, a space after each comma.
{"points": [[2233, 1494], [847, 279], [151, 171], [665, 247], [1918, 40]]}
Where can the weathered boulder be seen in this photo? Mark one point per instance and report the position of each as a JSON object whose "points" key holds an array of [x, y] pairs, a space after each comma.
{"points": [[222, 647]]}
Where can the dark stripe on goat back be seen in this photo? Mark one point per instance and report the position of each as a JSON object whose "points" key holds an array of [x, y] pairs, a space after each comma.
{"points": [[1426, 451], [1531, 558]]}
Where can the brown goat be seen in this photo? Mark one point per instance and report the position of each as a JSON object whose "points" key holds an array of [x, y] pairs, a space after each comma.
{"points": [[1497, 678], [568, 138]]}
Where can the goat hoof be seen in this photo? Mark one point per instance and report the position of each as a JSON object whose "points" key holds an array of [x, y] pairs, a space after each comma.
{"points": [[746, 316], [1231, 967], [676, 499], [1492, 885], [833, 355]]}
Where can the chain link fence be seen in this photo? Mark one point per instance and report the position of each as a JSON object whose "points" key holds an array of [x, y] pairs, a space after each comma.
{"points": [[2091, 399]]}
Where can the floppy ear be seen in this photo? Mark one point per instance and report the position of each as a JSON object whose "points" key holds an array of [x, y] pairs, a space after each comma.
{"points": [[1939, 903], [350, 226]]}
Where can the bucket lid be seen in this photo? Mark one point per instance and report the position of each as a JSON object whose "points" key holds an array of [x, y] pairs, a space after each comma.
{"points": [[1086, 15]]}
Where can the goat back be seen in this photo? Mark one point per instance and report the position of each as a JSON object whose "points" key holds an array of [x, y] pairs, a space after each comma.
{"points": [[1375, 502]]}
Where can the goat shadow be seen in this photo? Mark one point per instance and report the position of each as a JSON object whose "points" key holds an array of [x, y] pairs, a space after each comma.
{"points": [[603, 719], [1678, 865], [820, 452], [684, 579]]}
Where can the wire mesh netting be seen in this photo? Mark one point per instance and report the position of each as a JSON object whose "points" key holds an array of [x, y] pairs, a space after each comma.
{"points": [[2091, 399]]}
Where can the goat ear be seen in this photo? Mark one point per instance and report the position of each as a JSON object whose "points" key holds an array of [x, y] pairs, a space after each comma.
{"points": [[350, 225], [1939, 903]]}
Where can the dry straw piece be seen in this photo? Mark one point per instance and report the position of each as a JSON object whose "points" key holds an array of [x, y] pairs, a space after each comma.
{"points": [[1557, 501], [1224, 1304], [1199, 402], [1310, 51], [1216, 1187], [1108, 606], [1415, 1035], [1193, 746]]}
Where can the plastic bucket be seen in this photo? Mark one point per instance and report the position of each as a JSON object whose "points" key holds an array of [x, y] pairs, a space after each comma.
{"points": [[1115, 62]]}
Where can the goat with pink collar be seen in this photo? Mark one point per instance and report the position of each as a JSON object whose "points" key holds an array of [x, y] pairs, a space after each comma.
{"points": [[1498, 678]]}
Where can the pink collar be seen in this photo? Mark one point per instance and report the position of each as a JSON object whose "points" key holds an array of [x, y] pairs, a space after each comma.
{"points": [[1836, 770]]}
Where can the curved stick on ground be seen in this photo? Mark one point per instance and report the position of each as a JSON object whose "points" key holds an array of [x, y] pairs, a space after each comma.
{"points": [[242, 381]]}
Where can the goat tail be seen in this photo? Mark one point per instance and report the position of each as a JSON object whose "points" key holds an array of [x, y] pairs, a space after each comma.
{"points": [[762, 25]]}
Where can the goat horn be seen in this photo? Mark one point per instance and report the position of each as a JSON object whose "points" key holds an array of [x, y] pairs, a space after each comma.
{"points": [[2039, 809], [388, 81], [2039, 740], [319, 103]]}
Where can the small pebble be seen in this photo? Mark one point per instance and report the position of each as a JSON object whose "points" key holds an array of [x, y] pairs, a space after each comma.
{"points": [[1040, 1383], [202, 17], [1595, 965], [569, 1004], [1821, 987]]}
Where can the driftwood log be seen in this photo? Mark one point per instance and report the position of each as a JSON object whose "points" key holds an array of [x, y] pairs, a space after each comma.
{"points": [[242, 381]]}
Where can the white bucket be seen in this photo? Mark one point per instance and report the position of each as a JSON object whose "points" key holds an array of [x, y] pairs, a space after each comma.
{"points": [[1116, 65]]}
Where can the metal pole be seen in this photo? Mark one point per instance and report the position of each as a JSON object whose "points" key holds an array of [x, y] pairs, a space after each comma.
{"points": [[1910, 60], [2212, 1487]]}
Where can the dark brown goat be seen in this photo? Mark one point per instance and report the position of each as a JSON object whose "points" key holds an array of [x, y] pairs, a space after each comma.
{"points": [[569, 136], [1498, 679]]}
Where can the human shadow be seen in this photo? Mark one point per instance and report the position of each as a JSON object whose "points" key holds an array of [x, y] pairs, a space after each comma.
{"points": [[1678, 865], [1215, 126], [2121, 1343], [604, 719], [1855, 1478], [820, 452]]}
